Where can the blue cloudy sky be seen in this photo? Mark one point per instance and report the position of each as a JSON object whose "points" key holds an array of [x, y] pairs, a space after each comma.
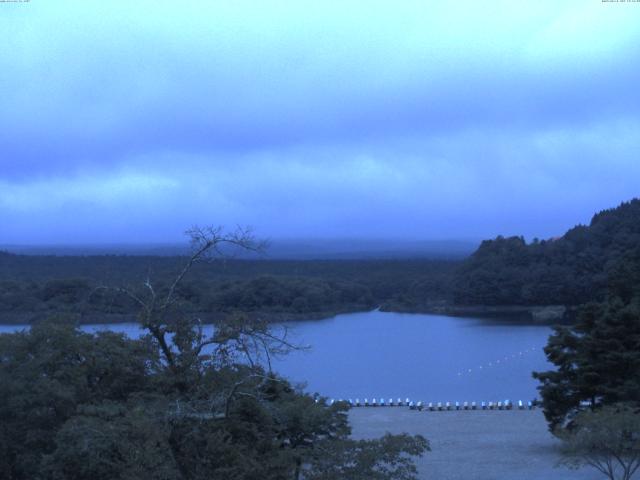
{"points": [[130, 121]]}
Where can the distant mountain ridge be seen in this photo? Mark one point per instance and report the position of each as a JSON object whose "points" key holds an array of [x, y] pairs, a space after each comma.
{"points": [[294, 249], [585, 264]]}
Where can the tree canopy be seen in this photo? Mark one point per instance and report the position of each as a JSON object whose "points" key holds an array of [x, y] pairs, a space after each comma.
{"points": [[597, 360], [607, 439], [579, 267]]}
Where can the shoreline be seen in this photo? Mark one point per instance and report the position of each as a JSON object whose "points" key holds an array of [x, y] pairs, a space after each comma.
{"points": [[532, 314], [515, 314]]}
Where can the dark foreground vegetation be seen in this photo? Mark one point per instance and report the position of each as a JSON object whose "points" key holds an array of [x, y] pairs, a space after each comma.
{"points": [[592, 399], [78, 406], [174, 404]]}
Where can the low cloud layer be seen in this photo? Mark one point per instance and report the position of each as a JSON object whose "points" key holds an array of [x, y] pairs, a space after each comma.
{"points": [[345, 120]]}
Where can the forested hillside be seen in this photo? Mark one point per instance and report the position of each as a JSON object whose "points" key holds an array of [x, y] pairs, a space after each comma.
{"points": [[586, 264]]}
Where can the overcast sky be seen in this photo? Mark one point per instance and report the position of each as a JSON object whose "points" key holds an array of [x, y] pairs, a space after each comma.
{"points": [[127, 121]]}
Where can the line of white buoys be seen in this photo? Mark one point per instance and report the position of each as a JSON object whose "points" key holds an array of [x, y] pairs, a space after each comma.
{"points": [[438, 406], [497, 362]]}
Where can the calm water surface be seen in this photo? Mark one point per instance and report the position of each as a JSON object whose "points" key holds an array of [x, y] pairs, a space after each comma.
{"points": [[423, 357]]}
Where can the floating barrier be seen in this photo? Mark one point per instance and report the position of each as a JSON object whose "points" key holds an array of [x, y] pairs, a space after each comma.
{"points": [[436, 406]]}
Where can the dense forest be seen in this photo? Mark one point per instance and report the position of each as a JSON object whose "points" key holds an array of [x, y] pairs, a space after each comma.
{"points": [[581, 266], [35, 287]]}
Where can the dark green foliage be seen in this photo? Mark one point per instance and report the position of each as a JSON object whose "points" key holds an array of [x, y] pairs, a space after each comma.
{"points": [[268, 293], [607, 439], [110, 441], [75, 405], [597, 359], [35, 287], [585, 264], [389, 457], [47, 374]]}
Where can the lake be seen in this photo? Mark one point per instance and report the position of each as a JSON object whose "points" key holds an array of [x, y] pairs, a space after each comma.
{"points": [[424, 357]]}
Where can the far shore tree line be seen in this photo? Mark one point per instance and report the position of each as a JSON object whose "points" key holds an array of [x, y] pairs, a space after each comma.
{"points": [[579, 267]]}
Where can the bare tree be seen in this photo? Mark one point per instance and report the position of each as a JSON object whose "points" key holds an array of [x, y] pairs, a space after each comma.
{"points": [[180, 338]]}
